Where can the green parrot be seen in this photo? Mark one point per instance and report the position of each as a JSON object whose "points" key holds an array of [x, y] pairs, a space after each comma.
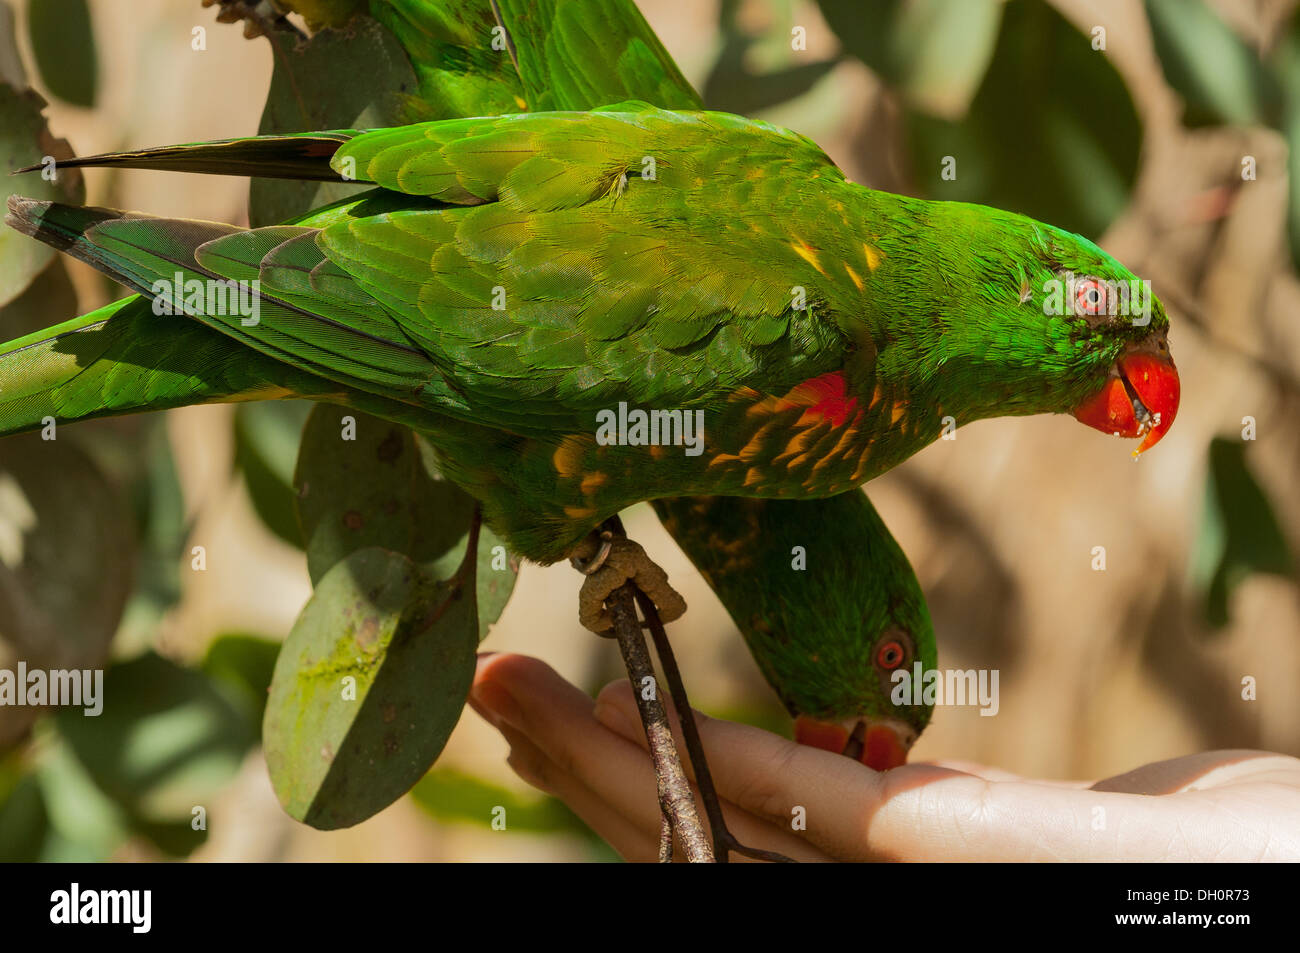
{"points": [[584, 310], [829, 607]]}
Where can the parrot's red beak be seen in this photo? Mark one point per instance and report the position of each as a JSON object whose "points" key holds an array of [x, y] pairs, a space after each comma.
{"points": [[880, 745], [1139, 400]]}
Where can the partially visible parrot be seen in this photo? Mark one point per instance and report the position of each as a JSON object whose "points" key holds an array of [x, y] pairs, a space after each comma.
{"points": [[829, 607]]}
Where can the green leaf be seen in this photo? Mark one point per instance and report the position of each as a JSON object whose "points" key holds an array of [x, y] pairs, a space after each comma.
{"points": [[496, 575], [66, 546], [735, 84], [85, 825], [267, 436], [323, 13], [24, 822], [1286, 64], [934, 52], [64, 45], [1066, 152], [450, 795], [12, 71], [351, 78], [1240, 533], [382, 487], [49, 297], [135, 453], [243, 665], [732, 87], [24, 141], [165, 742], [367, 689], [1219, 77]]}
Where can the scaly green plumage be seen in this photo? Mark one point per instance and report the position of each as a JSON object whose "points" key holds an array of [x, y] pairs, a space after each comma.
{"points": [[815, 589], [673, 293]]}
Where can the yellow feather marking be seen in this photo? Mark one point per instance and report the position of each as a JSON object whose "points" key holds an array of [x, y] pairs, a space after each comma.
{"points": [[863, 461], [579, 512], [799, 442], [875, 396], [756, 442], [764, 407], [753, 477], [593, 480], [808, 255], [723, 458], [900, 407], [854, 275], [567, 458], [874, 255], [522, 105], [836, 452]]}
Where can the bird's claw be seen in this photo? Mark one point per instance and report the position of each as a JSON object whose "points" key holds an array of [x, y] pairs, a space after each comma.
{"points": [[617, 560]]}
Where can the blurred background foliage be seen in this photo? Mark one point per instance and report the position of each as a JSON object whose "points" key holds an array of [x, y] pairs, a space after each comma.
{"points": [[1168, 130]]}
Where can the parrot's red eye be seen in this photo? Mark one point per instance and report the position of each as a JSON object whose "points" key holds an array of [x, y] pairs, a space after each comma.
{"points": [[1090, 297], [890, 654]]}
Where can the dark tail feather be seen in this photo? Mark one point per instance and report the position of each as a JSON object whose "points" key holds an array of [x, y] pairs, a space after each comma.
{"points": [[300, 156]]}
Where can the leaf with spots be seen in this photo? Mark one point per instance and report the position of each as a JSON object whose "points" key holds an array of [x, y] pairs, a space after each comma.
{"points": [[368, 688], [383, 488]]}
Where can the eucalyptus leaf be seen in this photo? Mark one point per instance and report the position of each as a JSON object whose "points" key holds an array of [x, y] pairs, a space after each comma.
{"points": [[164, 744], [242, 665], [1067, 153], [450, 795], [355, 77], [25, 140], [1286, 65], [1220, 79], [24, 822], [735, 85], [66, 547], [363, 481], [267, 437], [1240, 533], [367, 689], [64, 45], [934, 52]]}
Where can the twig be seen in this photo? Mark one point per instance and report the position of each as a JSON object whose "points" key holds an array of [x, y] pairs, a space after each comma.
{"points": [[675, 798], [724, 842]]}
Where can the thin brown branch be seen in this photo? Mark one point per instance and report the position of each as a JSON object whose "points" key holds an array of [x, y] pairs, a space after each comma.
{"points": [[675, 798], [724, 842]]}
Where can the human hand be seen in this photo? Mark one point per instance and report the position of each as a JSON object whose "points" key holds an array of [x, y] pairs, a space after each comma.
{"points": [[1218, 805]]}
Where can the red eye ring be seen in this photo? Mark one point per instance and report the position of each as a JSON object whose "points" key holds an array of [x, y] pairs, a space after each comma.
{"points": [[890, 654], [1090, 297]]}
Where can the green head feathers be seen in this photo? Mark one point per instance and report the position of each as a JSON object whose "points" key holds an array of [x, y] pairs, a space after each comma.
{"points": [[824, 597]]}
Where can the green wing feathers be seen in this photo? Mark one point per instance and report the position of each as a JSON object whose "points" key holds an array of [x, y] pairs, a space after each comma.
{"points": [[124, 358], [582, 54], [516, 257]]}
